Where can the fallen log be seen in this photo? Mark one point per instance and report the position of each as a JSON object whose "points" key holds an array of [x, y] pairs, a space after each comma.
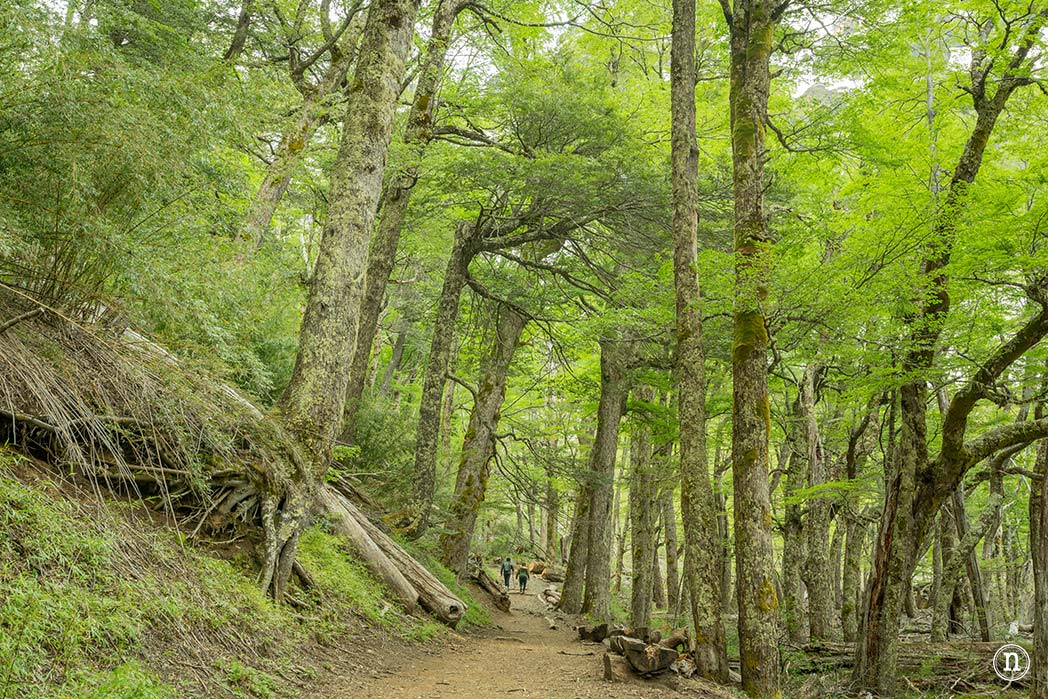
{"points": [[550, 597], [488, 584], [536, 567], [645, 659], [679, 639], [550, 575], [925, 665], [597, 633], [433, 595], [373, 557]]}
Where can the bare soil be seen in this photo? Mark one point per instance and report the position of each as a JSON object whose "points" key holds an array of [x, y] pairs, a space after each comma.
{"points": [[522, 657]]}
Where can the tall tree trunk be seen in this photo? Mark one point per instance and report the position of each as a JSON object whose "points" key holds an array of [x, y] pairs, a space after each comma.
{"points": [[397, 357], [239, 40], [752, 24], [642, 525], [575, 575], [315, 110], [906, 515], [396, 198], [954, 566], [478, 446], [312, 404], [613, 388], [851, 581], [550, 544], [817, 573], [310, 115], [429, 413], [669, 528], [701, 558], [658, 586], [1039, 552], [836, 560], [971, 559], [620, 527], [794, 543]]}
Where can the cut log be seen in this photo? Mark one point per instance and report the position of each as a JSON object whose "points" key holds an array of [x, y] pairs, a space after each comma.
{"points": [[369, 553], [679, 639], [643, 658], [488, 584], [433, 595], [536, 567], [552, 575], [596, 633], [616, 668]]}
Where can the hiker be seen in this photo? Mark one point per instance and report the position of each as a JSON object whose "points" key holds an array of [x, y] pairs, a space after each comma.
{"points": [[507, 571], [522, 578]]}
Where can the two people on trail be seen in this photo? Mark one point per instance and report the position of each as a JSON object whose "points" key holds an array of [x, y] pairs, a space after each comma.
{"points": [[507, 574]]}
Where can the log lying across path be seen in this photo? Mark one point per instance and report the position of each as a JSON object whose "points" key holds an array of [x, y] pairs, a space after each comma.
{"points": [[489, 585], [385, 555]]}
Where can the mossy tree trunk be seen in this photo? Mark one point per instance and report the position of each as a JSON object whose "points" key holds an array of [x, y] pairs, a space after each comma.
{"points": [[794, 543], [478, 446], [752, 26], [817, 572], [917, 486], [642, 524], [319, 99], [702, 553], [669, 527], [954, 567], [575, 575], [551, 538], [1039, 553], [427, 434], [596, 600], [396, 198], [311, 406]]}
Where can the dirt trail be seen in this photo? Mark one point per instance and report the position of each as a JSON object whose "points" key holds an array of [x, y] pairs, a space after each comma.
{"points": [[522, 658]]}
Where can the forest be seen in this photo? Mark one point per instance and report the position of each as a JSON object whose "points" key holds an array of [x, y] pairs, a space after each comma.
{"points": [[728, 315]]}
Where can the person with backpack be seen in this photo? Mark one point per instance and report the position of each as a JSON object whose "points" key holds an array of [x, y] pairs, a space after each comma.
{"points": [[522, 578], [507, 571]]}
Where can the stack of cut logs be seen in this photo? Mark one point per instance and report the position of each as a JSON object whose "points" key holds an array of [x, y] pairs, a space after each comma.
{"points": [[641, 651], [550, 597]]}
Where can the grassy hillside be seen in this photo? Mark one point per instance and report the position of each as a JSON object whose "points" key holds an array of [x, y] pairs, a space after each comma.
{"points": [[100, 598]]}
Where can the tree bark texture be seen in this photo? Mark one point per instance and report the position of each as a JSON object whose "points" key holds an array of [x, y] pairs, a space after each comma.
{"points": [[954, 567], [478, 445], [642, 526], [1039, 552], [440, 349], [312, 404], [575, 574], [669, 530], [396, 199], [698, 508], [752, 24], [818, 577], [613, 389]]}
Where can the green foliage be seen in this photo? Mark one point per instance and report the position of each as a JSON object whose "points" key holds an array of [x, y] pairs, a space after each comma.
{"points": [[95, 601], [347, 579]]}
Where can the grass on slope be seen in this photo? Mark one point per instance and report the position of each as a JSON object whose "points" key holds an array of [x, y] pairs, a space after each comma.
{"points": [[98, 600]]}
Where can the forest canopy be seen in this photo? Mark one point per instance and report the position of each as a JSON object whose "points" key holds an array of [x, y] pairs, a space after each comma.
{"points": [[733, 313]]}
